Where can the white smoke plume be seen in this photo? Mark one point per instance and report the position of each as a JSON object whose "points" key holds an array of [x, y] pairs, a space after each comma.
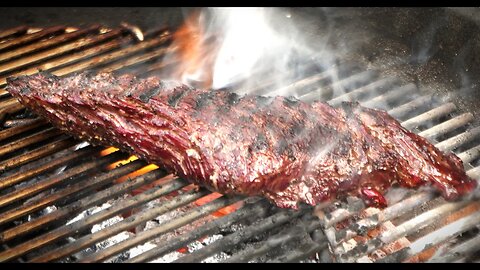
{"points": [[252, 48]]}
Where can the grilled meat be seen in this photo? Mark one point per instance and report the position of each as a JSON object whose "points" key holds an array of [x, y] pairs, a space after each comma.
{"points": [[281, 148]]}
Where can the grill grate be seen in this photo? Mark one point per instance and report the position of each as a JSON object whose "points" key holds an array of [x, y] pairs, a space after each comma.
{"points": [[50, 183]]}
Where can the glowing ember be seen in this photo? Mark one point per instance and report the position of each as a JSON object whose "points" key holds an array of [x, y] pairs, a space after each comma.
{"points": [[221, 212], [208, 198], [228, 209], [108, 151], [121, 162]]}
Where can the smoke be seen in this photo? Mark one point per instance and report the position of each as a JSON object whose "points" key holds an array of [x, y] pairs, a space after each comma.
{"points": [[252, 46], [253, 50], [424, 43]]}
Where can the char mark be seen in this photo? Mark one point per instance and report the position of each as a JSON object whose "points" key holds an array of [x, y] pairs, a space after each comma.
{"points": [[204, 99], [147, 95], [290, 101], [232, 98], [296, 128], [264, 101], [283, 148], [260, 143], [177, 95]]}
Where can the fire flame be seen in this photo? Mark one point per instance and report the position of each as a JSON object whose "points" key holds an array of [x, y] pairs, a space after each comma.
{"points": [[141, 171], [195, 54], [220, 47], [108, 151], [220, 212]]}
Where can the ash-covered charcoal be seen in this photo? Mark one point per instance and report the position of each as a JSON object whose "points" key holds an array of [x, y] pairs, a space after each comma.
{"points": [[90, 211], [103, 225], [141, 249], [133, 252], [308, 261], [196, 245], [97, 227], [285, 150], [168, 257], [216, 258]]}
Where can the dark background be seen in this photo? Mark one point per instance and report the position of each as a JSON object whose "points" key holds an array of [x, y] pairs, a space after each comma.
{"points": [[438, 48]]}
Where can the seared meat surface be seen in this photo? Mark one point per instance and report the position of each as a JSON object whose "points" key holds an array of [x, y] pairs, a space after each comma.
{"points": [[281, 148]]}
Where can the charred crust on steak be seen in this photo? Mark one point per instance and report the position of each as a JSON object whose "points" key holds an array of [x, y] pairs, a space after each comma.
{"points": [[260, 143], [264, 101], [203, 100], [232, 98], [177, 94], [282, 148], [146, 96], [290, 101]]}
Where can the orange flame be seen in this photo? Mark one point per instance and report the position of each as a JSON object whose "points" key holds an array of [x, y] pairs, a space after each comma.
{"points": [[196, 55], [121, 162], [108, 151], [220, 212]]}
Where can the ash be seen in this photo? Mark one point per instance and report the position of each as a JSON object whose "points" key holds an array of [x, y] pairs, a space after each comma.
{"points": [[112, 240], [173, 235], [194, 246], [100, 226]]}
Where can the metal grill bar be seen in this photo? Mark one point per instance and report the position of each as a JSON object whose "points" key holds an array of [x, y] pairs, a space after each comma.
{"points": [[81, 204], [72, 228], [46, 43], [83, 186], [123, 225], [144, 236], [257, 208], [447, 126], [462, 250], [72, 46], [137, 59], [355, 94], [272, 242], [32, 139], [474, 173], [296, 87], [466, 137], [9, 123], [373, 220], [380, 101], [13, 31], [32, 172], [71, 58], [14, 108], [93, 62], [413, 105], [301, 252], [29, 125], [429, 116], [283, 216], [357, 78], [32, 37], [37, 153], [447, 232], [49, 182], [8, 102], [402, 230], [470, 155]]}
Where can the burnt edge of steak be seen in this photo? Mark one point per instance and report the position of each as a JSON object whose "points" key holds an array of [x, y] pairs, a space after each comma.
{"points": [[280, 148]]}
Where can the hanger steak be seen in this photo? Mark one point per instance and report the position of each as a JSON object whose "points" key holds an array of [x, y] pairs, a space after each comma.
{"points": [[280, 148]]}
